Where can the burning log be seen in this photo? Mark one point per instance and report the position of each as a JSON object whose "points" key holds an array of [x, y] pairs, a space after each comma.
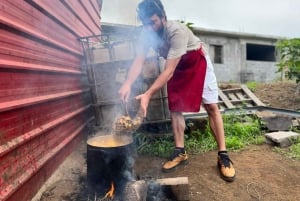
{"points": [[167, 189], [109, 196], [179, 187], [110, 193], [170, 188], [135, 191]]}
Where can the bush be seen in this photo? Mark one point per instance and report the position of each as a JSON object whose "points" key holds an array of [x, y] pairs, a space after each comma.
{"points": [[289, 63]]}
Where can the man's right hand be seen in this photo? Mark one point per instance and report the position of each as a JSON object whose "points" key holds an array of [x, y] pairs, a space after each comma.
{"points": [[124, 92]]}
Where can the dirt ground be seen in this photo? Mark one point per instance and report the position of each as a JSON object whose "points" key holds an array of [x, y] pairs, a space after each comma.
{"points": [[279, 95], [262, 173]]}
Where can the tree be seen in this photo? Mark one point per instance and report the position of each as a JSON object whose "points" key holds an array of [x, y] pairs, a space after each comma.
{"points": [[289, 50], [188, 24]]}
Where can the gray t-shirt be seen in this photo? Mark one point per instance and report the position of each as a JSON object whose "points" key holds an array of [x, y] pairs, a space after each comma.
{"points": [[174, 42]]}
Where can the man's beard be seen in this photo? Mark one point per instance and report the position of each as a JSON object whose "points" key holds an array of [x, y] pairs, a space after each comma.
{"points": [[161, 29]]}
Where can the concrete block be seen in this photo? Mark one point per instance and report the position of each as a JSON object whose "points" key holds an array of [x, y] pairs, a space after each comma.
{"points": [[281, 138], [278, 123]]}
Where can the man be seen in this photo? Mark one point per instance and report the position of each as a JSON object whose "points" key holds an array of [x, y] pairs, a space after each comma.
{"points": [[189, 76]]}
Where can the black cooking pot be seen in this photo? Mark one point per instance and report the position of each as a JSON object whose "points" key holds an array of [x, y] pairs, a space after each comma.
{"points": [[110, 158]]}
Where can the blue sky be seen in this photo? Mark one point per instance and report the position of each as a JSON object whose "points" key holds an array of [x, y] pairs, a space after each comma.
{"points": [[266, 17]]}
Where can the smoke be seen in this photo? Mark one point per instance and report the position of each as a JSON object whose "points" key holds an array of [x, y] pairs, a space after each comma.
{"points": [[129, 164]]}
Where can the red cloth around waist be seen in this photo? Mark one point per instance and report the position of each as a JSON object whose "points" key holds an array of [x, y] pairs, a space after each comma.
{"points": [[185, 88]]}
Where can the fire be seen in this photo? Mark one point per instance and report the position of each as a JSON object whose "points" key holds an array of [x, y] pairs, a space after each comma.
{"points": [[110, 193]]}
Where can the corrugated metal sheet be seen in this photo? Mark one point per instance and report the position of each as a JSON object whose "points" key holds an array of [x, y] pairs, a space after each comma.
{"points": [[44, 96]]}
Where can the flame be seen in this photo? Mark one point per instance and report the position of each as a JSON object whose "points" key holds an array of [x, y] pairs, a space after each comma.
{"points": [[110, 193]]}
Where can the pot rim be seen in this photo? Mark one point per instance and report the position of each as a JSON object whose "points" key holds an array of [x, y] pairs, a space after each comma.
{"points": [[101, 141]]}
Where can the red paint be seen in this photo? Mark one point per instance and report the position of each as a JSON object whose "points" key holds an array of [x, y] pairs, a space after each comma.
{"points": [[44, 103], [22, 16], [66, 17], [17, 48], [83, 15]]}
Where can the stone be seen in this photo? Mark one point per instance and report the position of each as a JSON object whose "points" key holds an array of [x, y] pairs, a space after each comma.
{"points": [[278, 123], [281, 138]]}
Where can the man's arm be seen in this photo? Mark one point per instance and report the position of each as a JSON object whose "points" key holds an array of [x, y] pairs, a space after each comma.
{"points": [[135, 69], [161, 80], [133, 73]]}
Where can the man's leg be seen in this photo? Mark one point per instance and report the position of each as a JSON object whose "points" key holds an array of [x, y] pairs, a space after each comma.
{"points": [[179, 155], [216, 124], [178, 126]]}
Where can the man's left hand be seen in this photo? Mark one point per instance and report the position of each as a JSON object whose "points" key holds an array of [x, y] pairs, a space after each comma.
{"points": [[144, 102]]}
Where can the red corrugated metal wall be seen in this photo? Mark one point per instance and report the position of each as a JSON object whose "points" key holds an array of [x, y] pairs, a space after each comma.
{"points": [[44, 96]]}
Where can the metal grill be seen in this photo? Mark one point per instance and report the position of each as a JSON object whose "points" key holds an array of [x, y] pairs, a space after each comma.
{"points": [[107, 61]]}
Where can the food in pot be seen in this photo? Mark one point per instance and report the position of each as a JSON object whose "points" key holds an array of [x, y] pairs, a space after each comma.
{"points": [[108, 141]]}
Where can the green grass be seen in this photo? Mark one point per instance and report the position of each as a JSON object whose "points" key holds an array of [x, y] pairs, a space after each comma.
{"points": [[240, 129], [252, 85], [292, 152], [156, 146]]}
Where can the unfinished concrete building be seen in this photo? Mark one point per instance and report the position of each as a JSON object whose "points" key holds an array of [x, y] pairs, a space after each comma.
{"points": [[237, 57]]}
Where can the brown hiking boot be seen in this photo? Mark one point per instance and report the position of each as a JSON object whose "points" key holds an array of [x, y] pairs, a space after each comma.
{"points": [[226, 167], [176, 160]]}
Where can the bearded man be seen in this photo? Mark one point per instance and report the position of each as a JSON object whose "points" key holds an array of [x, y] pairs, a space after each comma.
{"points": [[189, 76]]}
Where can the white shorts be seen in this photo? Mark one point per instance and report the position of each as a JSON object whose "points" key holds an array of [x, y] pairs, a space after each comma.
{"points": [[210, 90]]}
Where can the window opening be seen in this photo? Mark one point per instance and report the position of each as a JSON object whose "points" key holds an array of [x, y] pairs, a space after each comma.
{"points": [[257, 52], [217, 51]]}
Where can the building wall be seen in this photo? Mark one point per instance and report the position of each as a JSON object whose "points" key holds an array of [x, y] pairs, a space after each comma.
{"points": [[44, 96], [260, 71], [235, 66], [230, 69]]}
